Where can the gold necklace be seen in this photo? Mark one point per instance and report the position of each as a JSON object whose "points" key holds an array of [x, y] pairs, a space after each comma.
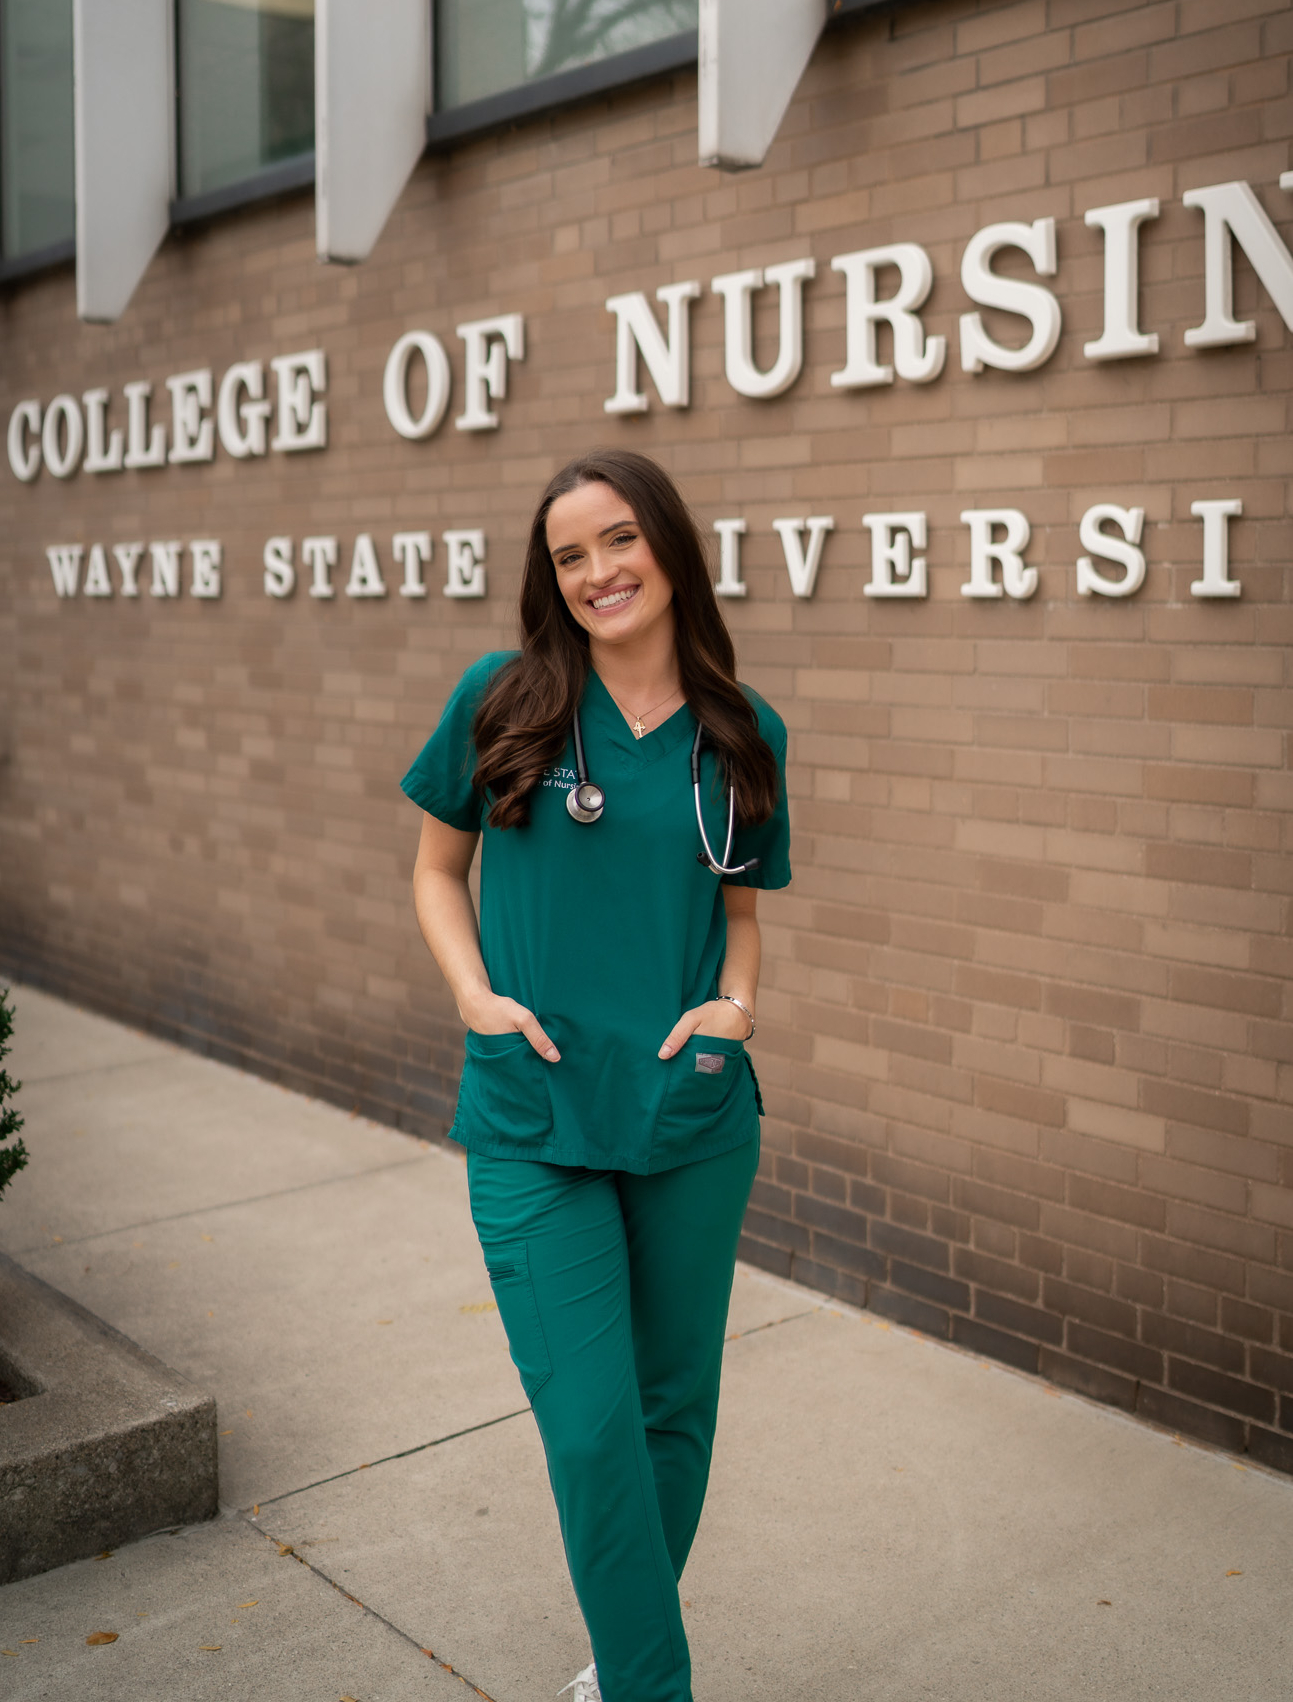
{"points": [[638, 726]]}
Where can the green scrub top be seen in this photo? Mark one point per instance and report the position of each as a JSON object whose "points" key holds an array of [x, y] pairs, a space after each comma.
{"points": [[607, 931]]}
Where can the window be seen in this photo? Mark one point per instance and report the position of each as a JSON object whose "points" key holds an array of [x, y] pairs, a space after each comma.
{"points": [[37, 171], [246, 88], [486, 46]]}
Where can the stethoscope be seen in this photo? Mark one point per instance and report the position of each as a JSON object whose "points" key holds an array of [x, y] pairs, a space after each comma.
{"points": [[585, 801]]}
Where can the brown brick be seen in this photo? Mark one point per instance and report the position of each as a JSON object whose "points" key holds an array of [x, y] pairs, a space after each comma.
{"points": [[1190, 1418]]}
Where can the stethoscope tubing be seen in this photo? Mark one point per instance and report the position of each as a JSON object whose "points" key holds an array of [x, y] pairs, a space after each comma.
{"points": [[585, 802]]}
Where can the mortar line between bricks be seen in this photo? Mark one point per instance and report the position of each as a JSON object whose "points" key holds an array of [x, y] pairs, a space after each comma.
{"points": [[286, 1549], [417, 1448], [222, 1205]]}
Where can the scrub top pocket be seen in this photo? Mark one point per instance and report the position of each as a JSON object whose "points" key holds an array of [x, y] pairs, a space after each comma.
{"points": [[504, 1094], [708, 1100], [509, 1277]]}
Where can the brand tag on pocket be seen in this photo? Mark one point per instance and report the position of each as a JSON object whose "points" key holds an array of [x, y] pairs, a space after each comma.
{"points": [[710, 1063]]}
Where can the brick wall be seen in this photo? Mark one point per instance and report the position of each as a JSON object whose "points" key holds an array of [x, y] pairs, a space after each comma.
{"points": [[1024, 1032]]}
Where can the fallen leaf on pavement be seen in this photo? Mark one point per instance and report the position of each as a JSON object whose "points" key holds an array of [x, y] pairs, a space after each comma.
{"points": [[210, 1648], [286, 1548], [491, 1306], [252, 1603], [29, 1639], [1103, 1603], [1234, 1573], [97, 1637], [12, 1652], [386, 1320], [106, 1555]]}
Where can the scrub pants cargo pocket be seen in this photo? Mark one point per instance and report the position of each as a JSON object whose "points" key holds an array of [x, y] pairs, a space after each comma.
{"points": [[504, 1094], [509, 1277]]}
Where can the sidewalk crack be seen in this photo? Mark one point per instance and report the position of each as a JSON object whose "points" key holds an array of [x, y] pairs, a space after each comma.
{"points": [[404, 1453], [286, 1549]]}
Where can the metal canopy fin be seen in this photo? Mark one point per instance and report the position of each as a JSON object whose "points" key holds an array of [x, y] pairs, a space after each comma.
{"points": [[372, 78], [752, 55], [123, 107]]}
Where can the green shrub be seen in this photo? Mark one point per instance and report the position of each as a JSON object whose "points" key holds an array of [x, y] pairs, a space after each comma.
{"points": [[12, 1158]]}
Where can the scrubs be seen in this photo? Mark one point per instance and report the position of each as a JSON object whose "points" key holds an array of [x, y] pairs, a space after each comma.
{"points": [[608, 1189]]}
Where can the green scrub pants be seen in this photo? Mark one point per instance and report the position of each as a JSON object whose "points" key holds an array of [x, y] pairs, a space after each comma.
{"points": [[613, 1290]]}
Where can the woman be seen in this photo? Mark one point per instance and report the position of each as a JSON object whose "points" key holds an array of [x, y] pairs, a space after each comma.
{"points": [[608, 1108]]}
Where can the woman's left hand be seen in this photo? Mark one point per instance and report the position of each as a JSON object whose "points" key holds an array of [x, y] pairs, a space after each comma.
{"points": [[719, 1017]]}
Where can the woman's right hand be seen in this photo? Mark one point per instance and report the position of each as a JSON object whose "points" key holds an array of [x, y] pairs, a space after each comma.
{"points": [[490, 1013]]}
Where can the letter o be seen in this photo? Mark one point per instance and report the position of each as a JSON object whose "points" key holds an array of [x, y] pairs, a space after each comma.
{"points": [[395, 392], [24, 458], [63, 458]]}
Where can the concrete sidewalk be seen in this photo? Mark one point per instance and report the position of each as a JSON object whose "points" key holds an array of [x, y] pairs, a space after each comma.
{"points": [[890, 1519]]}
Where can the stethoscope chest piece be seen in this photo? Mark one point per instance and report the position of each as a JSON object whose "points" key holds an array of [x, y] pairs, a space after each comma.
{"points": [[585, 801]]}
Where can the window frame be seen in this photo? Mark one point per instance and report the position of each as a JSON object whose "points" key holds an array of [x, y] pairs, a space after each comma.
{"points": [[678, 52]]}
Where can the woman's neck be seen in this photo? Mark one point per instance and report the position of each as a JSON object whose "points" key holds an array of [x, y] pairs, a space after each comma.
{"points": [[640, 672]]}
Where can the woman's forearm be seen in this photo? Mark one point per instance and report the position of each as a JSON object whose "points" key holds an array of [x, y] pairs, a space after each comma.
{"points": [[740, 972], [447, 918]]}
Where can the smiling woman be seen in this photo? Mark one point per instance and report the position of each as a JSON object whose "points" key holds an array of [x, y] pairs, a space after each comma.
{"points": [[616, 1071]]}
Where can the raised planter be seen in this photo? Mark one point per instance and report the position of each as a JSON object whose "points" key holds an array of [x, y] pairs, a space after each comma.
{"points": [[103, 1444]]}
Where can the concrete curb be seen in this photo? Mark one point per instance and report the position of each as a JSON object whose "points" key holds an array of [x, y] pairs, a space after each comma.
{"points": [[109, 1443]]}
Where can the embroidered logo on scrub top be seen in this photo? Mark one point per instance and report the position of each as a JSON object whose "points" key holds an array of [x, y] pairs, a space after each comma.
{"points": [[710, 1063], [561, 778]]}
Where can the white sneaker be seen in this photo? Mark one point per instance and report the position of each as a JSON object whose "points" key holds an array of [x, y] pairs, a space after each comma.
{"points": [[584, 1685]]}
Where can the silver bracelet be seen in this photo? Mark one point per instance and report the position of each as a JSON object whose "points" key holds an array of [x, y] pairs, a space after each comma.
{"points": [[741, 1006]]}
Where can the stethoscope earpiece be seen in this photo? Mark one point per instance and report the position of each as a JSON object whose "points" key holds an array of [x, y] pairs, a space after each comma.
{"points": [[585, 802]]}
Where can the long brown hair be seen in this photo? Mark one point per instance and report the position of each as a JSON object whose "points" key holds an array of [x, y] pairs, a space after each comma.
{"points": [[524, 719]]}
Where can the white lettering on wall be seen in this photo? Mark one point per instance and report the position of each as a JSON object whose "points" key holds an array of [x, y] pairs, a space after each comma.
{"points": [[730, 583], [737, 290], [242, 410], [302, 421], [895, 570], [1232, 210], [166, 567], [987, 552], [998, 538], [395, 384], [128, 557], [280, 573], [1130, 521], [192, 436], [1216, 518], [1032, 302], [365, 572], [917, 358], [490, 344], [144, 447], [65, 565], [637, 333], [62, 436], [464, 559], [412, 550], [96, 582], [24, 457], [103, 452], [802, 565], [206, 555], [1122, 336], [320, 556]]}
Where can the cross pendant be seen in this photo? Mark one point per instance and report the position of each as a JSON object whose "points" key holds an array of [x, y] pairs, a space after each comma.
{"points": [[638, 728]]}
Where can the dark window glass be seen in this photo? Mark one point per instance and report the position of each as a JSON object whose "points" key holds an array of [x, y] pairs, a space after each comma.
{"points": [[246, 88], [37, 174], [485, 46]]}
